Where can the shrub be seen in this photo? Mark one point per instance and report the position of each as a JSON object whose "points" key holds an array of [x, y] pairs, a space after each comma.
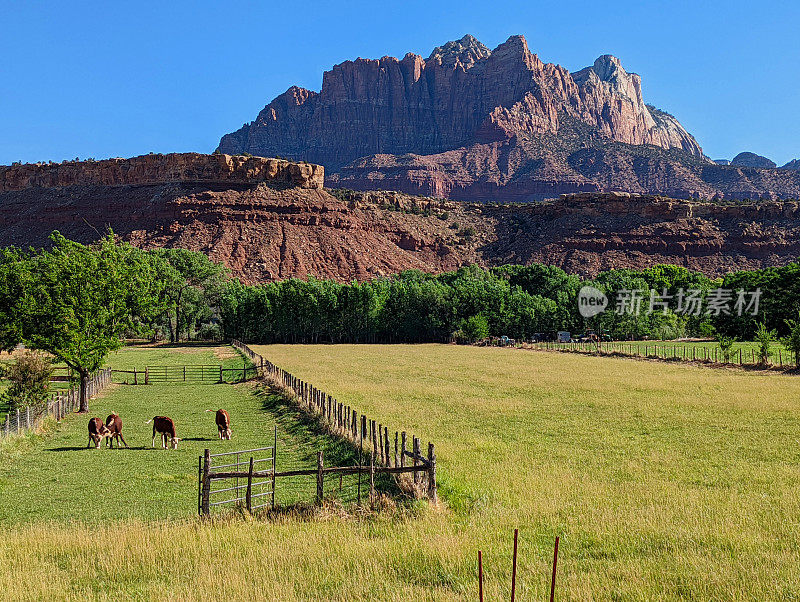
{"points": [[792, 340], [726, 347], [474, 328], [765, 338], [30, 380]]}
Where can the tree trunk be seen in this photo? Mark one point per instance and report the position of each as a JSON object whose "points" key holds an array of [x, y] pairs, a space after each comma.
{"points": [[84, 407]]}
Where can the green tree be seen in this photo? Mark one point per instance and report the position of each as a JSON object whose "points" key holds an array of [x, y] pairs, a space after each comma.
{"points": [[726, 346], [77, 301], [474, 328], [193, 286], [765, 337], [29, 376], [792, 340]]}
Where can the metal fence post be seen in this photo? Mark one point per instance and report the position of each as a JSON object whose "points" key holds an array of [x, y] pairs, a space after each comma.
{"points": [[274, 463], [249, 493], [206, 509]]}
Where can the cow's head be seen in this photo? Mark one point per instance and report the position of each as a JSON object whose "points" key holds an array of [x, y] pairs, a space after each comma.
{"points": [[174, 442], [101, 434]]}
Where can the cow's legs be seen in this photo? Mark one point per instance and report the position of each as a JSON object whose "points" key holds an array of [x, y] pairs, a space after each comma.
{"points": [[123, 441]]}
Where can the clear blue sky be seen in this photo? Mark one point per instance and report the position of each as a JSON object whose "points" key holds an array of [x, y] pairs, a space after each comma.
{"points": [[101, 79]]}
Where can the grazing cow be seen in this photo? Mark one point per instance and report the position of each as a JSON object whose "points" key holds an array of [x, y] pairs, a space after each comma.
{"points": [[97, 431], [114, 425], [223, 421], [166, 428]]}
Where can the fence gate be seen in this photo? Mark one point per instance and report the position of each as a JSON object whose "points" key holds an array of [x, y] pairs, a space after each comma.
{"points": [[254, 491]]}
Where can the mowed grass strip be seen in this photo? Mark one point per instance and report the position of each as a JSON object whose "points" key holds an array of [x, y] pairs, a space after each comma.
{"points": [[56, 477]]}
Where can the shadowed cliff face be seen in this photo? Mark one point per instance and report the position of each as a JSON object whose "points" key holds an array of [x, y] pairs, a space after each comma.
{"points": [[461, 94]]}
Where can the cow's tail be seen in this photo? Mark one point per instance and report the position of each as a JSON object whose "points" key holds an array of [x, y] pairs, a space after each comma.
{"points": [[210, 410], [151, 420]]}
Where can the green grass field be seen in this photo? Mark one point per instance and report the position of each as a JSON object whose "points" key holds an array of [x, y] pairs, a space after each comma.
{"points": [[58, 478], [664, 481]]}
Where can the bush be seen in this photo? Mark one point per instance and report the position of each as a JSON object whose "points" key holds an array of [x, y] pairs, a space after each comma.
{"points": [[765, 337], [792, 340], [473, 328], [30, 381], [726, 347]]}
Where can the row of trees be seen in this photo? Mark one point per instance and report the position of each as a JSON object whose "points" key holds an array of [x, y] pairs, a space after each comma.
{"points": [[77, 302], [517, 301]]}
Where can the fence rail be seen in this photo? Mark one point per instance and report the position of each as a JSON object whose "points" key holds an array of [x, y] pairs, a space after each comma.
{"points": [[370, 438], [191, 374], [58, 406], [780, 358]]}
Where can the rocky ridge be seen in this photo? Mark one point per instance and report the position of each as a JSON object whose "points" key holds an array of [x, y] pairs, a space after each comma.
{"points": [[156, 169], [264, 231]]}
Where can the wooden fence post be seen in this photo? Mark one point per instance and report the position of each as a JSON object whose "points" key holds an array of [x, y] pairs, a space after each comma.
{"points": [[432, 474], [146, 376], [249, 493], [416, 459], [206, 483], [320, 483], [386, 456], [403, 450], [396, 435]]}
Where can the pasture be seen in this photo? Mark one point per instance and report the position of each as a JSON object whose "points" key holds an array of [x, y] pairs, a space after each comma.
{"points": [[58, 478], [664, 481]]}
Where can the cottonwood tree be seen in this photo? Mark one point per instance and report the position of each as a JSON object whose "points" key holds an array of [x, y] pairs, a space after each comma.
{"points": [[76, 302], [192, 286]]}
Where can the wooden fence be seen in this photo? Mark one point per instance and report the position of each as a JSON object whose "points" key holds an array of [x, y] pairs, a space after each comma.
{"points": [[780, 358], [195, 374], [58, 406], [404, 456]]}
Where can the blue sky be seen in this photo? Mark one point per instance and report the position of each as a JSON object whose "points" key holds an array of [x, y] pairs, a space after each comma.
{"points": [[119, 79]]}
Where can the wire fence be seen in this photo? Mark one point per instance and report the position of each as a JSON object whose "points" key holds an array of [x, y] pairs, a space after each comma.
{"points": [[23, 419]]}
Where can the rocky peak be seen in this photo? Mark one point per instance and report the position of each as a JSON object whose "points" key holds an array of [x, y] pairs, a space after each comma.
{"points": [[608, 70], [752, 160], [794, 164], [467, 51]]}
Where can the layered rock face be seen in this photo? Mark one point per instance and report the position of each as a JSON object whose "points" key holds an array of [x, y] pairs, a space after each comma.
{"points": [[153, 169], [474, 124], [265, 232], [462, 93]]}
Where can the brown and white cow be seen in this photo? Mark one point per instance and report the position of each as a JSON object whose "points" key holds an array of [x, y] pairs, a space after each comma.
{"points": [[223, 421], [166, 428], [114, 425], [97, 432]]}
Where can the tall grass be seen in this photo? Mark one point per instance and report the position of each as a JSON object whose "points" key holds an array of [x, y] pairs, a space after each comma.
{"points": [[664, 481]]}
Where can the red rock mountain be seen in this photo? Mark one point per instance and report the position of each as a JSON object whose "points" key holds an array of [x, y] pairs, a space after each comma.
{"points": [[473, 124], [270, 219]]}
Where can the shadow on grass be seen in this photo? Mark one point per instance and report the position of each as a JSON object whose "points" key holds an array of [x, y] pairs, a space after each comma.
{"points": [[79, 447], [312, 437]]}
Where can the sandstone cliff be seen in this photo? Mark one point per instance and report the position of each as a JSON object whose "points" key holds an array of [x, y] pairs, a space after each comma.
{"points": [[266, 232], [474, 124], [153, 169], [461, 93]]}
